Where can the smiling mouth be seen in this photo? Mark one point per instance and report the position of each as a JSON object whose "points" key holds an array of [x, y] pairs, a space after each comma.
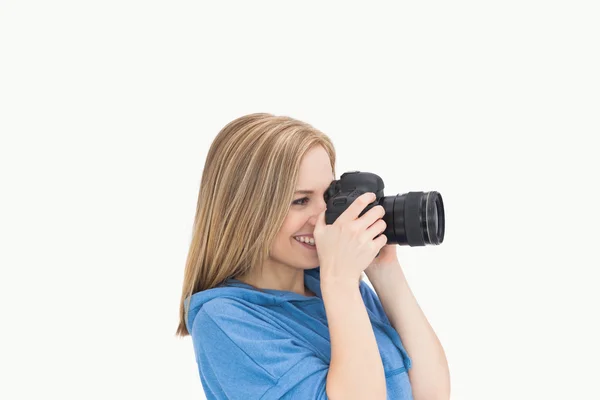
{"points": [[299, 241]]}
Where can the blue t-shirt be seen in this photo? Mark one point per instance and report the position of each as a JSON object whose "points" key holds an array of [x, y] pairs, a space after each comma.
{"points": [[273, 344]]}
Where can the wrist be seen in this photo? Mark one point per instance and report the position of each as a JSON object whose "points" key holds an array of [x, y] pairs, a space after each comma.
{"points": [[329, 283], [389, 273]]}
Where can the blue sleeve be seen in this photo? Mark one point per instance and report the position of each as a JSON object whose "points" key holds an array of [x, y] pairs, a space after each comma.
{"points": [[373, 303], [375, 308], [243, 354]]}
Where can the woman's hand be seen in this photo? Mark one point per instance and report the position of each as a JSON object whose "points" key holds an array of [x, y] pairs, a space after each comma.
{"points": [[388, 258], [348, 246]]}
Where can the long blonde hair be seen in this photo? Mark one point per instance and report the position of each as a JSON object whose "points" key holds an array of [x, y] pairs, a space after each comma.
{"points": [[247, 186]]}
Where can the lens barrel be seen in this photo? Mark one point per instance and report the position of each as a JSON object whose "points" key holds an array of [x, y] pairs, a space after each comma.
{"points": [[414, 218]]}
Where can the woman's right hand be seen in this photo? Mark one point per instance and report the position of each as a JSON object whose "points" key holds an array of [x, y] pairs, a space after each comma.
{"points": [[347, 247]]}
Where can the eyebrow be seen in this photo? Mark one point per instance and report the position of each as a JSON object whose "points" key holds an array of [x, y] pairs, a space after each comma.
{"points": [[305, 191]]}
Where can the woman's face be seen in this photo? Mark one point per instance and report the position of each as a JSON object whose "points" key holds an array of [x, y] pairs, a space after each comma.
{"points": [[315, 176]]}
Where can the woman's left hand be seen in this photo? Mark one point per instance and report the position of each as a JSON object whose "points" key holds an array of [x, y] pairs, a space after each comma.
{"points": [[387, 259]]}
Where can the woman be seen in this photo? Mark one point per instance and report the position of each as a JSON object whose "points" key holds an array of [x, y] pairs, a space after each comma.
{"points": [[273, 297]]}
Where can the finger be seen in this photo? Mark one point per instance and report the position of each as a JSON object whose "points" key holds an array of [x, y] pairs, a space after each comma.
{"points": [[370, 217], [357, 206], [380, 241], [375, 229]]}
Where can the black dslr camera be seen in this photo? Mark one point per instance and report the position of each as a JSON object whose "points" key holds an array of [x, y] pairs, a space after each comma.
{"points": [[413, 219]]}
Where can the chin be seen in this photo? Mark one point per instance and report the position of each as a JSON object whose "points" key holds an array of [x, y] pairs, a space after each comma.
{"points": [[309, 266], [303, 266]]}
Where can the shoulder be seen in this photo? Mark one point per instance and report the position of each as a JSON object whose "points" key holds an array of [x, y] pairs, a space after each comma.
{"points": [[219, 305], [224, 311], [234, 338]]}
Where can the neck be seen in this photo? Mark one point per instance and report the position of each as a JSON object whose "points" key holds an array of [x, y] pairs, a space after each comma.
{"points": [[277, 278]]}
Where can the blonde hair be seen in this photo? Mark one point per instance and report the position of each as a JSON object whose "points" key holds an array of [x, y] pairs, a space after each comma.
{"points": [[247, 186]]}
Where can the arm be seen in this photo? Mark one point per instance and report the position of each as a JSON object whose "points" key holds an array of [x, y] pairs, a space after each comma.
{"points": [[429, 375], [356, 370]]}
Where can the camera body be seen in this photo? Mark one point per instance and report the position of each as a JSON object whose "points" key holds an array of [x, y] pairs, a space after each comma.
{"points": [[413, 218]]}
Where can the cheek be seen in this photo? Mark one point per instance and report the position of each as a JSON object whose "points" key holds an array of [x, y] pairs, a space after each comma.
{"points": [[293, 224]]}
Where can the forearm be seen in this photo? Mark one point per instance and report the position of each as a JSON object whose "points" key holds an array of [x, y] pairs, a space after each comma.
{"points": [[429, 375], [356, 369]]}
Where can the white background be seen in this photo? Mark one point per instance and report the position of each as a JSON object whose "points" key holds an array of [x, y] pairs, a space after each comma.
{"points": [[107, 111]]}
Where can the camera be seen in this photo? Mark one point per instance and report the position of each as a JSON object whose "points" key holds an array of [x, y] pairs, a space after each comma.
{"points": [[413, 218]]}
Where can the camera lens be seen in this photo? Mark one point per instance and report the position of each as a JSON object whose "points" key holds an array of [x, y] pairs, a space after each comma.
{"points": [[414, 218]]}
